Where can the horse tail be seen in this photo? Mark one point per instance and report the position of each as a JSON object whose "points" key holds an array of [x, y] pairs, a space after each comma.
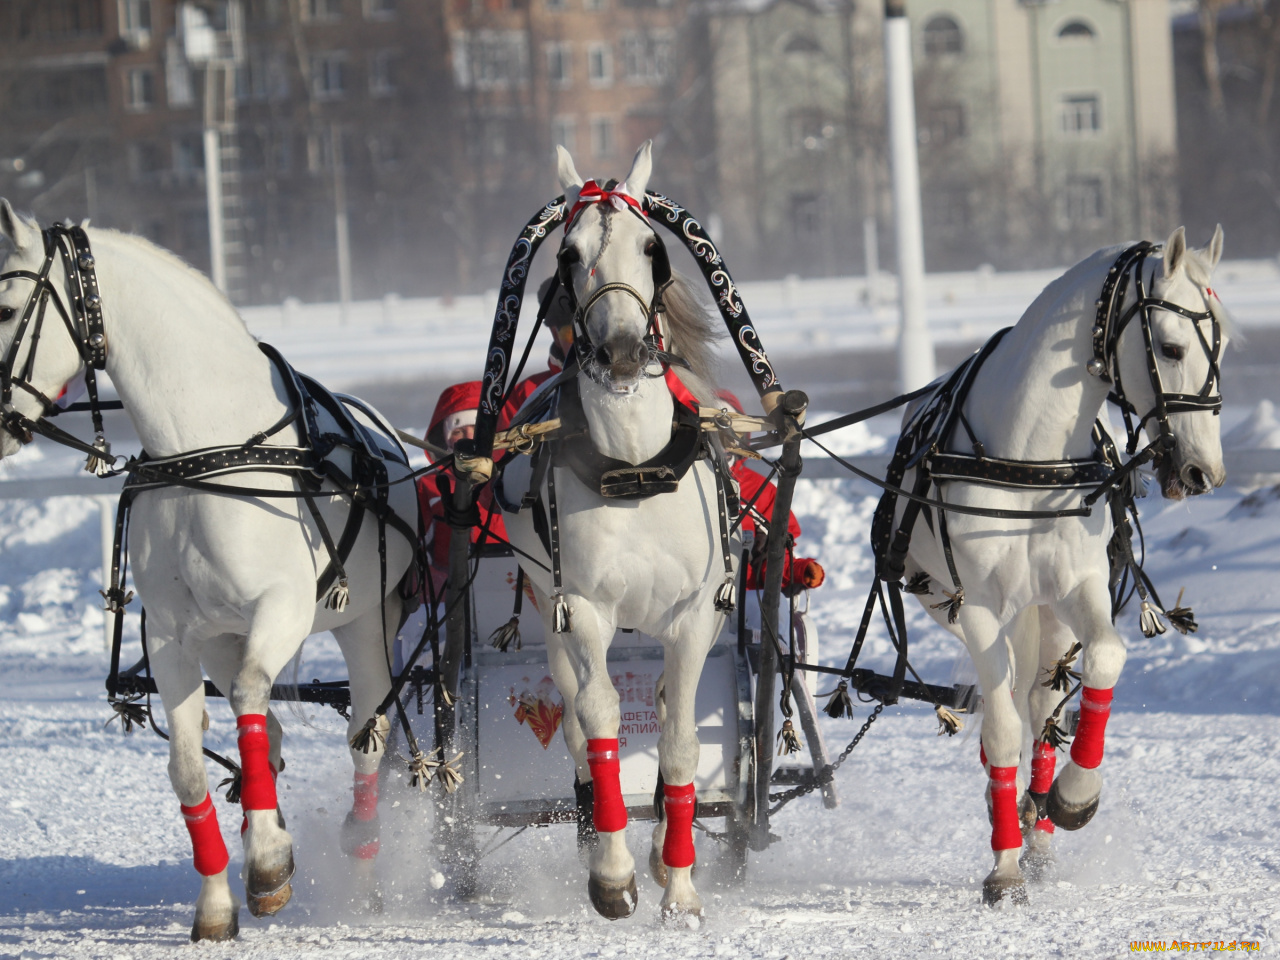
{"points": [[291, 673]]}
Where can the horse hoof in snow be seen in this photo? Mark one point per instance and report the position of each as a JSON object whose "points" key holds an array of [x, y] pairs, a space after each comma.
{"points": [[267, 891], [1037, 862], [1028, 813], [206, 928], [998, 889], [613, 901], [1069, 816]]}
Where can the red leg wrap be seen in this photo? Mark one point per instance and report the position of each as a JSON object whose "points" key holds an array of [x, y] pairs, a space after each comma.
{"points": [[1005, 832], [207, 847], [1095, 708], [258, 784], [1045, 825], [680, 804], [365, 805], [610, 813], [1043, 761]]}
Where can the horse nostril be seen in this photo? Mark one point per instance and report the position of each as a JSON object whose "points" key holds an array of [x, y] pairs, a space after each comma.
{"points": [[1194, 479], [602, 355]]}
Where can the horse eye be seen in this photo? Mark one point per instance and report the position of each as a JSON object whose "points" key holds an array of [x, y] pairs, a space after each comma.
{"points": [[570, 255], [7, 314], [1171, 351], [651, 248]]}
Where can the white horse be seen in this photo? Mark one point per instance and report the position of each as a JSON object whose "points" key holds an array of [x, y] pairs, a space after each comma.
{"points": [[1031, 588], [229, 582], [653, 565]]}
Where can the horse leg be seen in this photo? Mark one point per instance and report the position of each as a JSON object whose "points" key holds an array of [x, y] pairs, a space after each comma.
{"points": [[678, 753], [1086, 611], [181, 686], [612, 870], [279, 623], [1001, 747], [363, 649], [584, 790]]}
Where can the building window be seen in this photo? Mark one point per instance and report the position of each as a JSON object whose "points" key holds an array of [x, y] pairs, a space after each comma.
{"points": [[382, 77], [599, 64], [322, 10], [135, 22], [179, 90], [58, 19], [808, 130], [1076, 31], [146, 160], [379, 9], [646, 56], [188, 155], [140, 89], [602, 137], [329, 75], [942, 37], [563, 130], [1082, 201], [384, 152], [806, 216], [559, 65], [1080, 115], [489, 59], [802, 43], [943, 123]]}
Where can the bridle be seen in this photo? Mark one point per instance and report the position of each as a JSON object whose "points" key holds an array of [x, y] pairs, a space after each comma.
{"points": [[1105, 365], [81, 314]]}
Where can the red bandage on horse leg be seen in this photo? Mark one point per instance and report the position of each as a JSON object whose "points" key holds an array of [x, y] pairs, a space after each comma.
{"points": [[207, 847], [258, 782], [1045, 825], [1005, 832], [610, 813], [1095, 708], [365, 805], [680, 804], [1043, 761]]}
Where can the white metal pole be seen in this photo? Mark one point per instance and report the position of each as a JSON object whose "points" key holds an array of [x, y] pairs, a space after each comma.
{"points": [[871, 253], [340, 222], [213, 196], [107, 528], [915, 348]]}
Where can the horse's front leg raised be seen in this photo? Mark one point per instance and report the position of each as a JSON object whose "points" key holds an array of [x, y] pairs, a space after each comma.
{"points": [[612, 880], [279, 623], [1073, 798], [1001, 747], [181, 686]]}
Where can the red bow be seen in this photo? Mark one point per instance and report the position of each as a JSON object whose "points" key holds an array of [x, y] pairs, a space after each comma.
{"points": [[592, 192]]}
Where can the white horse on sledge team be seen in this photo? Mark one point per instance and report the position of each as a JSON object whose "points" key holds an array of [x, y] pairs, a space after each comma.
{"points": [[229, 582], [1032, 588], [653, 565]]}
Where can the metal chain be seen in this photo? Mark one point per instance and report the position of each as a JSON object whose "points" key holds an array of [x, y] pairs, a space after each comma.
{"points": [[828, 772]]}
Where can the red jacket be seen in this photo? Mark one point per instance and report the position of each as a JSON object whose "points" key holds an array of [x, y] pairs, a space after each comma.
{"points": [[801, 573]]}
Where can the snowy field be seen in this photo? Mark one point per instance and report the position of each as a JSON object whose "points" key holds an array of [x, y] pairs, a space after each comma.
{"points": [[94, 860]]}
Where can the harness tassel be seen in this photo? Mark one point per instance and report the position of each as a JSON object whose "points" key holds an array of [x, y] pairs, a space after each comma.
{"points": [[450, 775], [1062, 674], [948, 722], [502, 638], [129, 712], [839, 704], [369, 739], [561, 616], [727, 596], [788, 742], [952, 604], [918, 585], [1052, 734], [422, 768], [339, 596], [1149, 620], [100, 463], [1181, 618], [233, 784]]}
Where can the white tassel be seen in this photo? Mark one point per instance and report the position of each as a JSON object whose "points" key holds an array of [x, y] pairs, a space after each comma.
{"points": [[1150, 620], [339, 596], [561, 618], [100, 463], [727, 596], [1137, 484]]}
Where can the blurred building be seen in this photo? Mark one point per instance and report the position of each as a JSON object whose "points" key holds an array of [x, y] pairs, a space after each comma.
{"points": [[1046, 130]]}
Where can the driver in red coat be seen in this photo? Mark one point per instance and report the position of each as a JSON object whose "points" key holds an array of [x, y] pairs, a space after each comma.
{"points": [[801, 573], [559, 318]]}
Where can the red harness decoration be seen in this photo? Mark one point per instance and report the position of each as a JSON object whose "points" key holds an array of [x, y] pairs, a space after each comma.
{"points": [[258, 785], [209, 851], [1006, 834], [365, 806], [1095, 709], [680, 803], [1044, 760], [592, 192], [610, 812]]}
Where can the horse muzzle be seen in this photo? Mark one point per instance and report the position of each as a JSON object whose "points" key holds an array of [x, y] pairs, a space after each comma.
{"points": [[622, 360], [1189, 478]]}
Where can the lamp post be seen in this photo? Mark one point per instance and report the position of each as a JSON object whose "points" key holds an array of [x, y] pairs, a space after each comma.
{"points": [[915, 347]]}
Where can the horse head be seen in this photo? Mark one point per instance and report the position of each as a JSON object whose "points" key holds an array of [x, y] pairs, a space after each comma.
{"points": [[613, 266], [30, 379], [1168, 364]]}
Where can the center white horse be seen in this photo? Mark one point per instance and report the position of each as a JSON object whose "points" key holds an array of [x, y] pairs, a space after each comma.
{"points": [[229, 581], [654, 564], [1031, 588]]}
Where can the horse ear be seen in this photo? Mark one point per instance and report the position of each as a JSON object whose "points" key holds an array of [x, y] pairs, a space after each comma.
{"points": [[1213, 252], [638, 178], [14, 228], [1175, 250], [570, 181]]}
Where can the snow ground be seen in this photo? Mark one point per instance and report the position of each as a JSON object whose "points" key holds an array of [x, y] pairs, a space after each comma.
{"points": [[94, 860]]}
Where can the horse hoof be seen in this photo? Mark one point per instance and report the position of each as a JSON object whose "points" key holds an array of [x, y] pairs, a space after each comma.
{"points": [[217, 932], [1028, 813], [1068, 816], [269, 904], [267, 891], [996, 890], [678, 915], [1037, 866], [611, 901], [657, 868]]}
